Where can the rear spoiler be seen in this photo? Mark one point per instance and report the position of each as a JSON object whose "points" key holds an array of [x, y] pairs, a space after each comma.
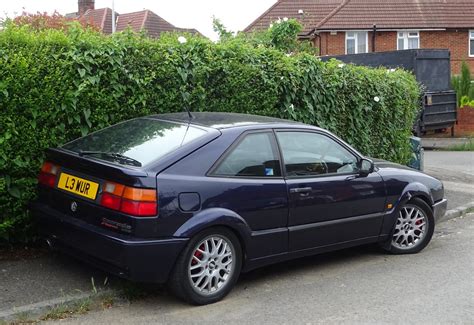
{"points": [[92, 166]]}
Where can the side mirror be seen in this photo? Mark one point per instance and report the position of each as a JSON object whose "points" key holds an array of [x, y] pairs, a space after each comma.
{"points": [[366, 166]]}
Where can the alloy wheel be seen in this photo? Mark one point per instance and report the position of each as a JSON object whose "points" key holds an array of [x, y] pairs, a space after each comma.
{"points": [[410, 228], [211, 265]]}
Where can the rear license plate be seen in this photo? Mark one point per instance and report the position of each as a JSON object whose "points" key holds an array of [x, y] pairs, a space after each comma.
{"points": [[77, 185]]}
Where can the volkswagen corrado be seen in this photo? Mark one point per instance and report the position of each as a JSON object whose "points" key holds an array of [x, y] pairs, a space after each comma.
{"points": [[193, 201]]}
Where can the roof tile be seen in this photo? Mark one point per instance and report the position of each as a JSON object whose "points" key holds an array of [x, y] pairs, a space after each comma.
{"points": [[313, 12], [101, 18], [363, 14]]}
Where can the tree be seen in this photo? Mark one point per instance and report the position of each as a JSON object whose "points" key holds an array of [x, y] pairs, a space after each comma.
{"points": [[41, 21], [221, 30]]}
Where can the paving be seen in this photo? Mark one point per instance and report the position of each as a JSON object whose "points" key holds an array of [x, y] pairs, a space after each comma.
{"points": [[456, 170], [359, 285], [50, 276], [442, 142]]}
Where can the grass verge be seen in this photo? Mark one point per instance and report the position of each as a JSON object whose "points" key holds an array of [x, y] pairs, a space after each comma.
{"points": [[98, 301], [468, 146]]}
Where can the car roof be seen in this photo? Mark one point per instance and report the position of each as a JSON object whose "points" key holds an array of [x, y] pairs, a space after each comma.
{"points": [[224, 120]]}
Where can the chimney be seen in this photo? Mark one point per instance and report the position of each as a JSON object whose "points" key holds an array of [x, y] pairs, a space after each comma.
{"points": [[85, 5]]}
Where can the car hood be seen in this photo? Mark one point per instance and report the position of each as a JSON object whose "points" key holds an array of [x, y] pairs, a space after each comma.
{"points": [[380, 163]]}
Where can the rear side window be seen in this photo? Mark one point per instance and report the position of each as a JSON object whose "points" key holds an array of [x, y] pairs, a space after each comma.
{"points": [[141, 140], [254, 156]]}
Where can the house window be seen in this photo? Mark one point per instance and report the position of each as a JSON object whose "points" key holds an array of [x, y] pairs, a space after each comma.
{"points": [[356, 42], [408, 40], [471, 43]]}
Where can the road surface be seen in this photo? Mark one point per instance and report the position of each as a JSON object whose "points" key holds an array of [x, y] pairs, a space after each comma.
{"points": [[361, 285]]}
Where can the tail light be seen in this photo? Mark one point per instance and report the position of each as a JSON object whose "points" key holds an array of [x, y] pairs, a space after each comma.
{"points": [[48, 174], [130, 200]]}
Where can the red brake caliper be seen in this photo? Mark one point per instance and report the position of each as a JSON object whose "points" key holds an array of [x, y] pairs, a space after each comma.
{"points": [[197, 254]]}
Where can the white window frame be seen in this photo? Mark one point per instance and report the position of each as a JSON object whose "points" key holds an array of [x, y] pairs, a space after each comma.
{"points": [[356, 39], [470, 38], [405, 36]]}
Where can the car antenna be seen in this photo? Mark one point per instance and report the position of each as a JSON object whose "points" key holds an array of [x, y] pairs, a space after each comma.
{"points": [[189, 112]]}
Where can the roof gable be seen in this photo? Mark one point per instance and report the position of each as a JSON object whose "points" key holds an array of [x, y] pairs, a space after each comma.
{"points": [[147, 20], [155, 25], [101, 18], [134, 20]]}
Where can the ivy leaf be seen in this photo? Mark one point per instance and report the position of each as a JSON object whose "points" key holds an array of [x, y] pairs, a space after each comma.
{"points": [[84, 130], [82, 72], [14, 191]]}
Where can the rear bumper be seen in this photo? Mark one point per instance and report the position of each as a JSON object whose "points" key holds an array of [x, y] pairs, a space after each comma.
{"points": [[439, 208], [141, 260]]}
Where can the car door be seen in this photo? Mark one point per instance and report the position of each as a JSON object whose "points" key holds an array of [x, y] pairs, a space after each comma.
{"points": [[247, 179], [329, 201]]}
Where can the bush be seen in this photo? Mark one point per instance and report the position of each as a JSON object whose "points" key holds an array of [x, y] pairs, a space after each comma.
{"points": [[465, 101], [57, 85], [281, 35], [463, 85]]}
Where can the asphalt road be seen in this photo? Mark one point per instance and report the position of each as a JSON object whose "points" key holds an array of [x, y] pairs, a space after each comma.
{"points": [[456, 170], [360, 285]]}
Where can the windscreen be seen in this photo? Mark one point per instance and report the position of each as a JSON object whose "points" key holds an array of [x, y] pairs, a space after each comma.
{"points": [[141, 140]]}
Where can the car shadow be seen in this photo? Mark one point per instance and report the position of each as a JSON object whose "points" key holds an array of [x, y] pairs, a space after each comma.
{"points": [[159, 295], [154, 294], [315, 263]]}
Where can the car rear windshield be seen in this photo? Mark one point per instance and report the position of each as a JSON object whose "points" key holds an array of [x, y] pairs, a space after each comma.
{"points": [[139, 141]]}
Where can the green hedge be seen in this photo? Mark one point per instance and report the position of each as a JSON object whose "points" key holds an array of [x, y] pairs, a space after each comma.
{"points": [[56, 86]]}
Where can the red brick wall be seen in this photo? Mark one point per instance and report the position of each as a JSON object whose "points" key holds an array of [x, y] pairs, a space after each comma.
{"points": [[384, 41], [455, 41], [465, 124], [332, 44]]}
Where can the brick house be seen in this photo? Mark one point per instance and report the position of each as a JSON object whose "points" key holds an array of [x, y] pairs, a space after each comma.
{"points": [[146, 20], [347, 26]]}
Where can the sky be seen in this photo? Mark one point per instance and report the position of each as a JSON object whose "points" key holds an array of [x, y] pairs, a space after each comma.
{"points": [[235, 14]]}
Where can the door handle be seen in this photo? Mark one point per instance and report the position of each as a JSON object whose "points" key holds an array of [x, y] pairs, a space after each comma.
{"points": [[301, 190]]}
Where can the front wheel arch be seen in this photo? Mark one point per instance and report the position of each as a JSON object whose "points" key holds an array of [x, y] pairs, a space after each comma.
{"points": [[421, 202]]}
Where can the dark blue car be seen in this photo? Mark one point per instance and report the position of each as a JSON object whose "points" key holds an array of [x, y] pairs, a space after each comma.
{"points": [[195, 201]]}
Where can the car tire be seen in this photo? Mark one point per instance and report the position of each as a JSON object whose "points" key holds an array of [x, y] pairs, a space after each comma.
{"points": [[413, 228], [208, 268]]}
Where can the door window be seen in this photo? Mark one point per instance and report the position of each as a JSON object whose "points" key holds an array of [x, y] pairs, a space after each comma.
{"points": [[254, 156], [313, 154]]}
